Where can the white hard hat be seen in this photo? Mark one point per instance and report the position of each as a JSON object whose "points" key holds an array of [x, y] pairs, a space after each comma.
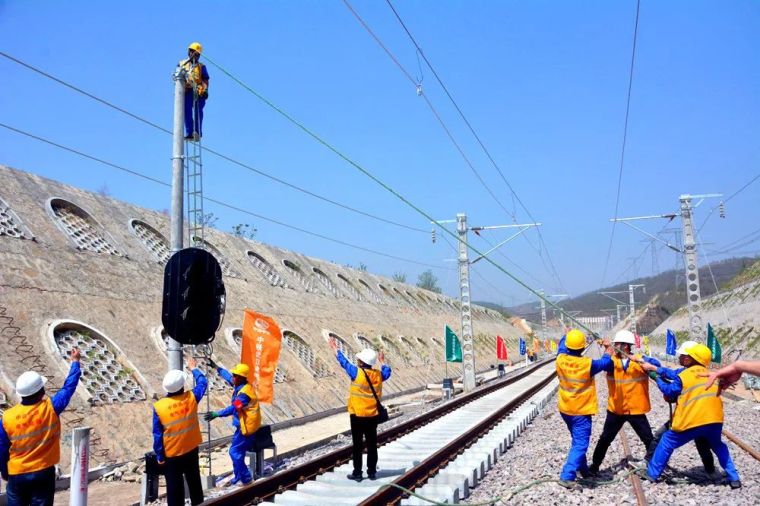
{"points": [[29, 383], [624, 336], [368, 356], [684, 348], [174, 381]]}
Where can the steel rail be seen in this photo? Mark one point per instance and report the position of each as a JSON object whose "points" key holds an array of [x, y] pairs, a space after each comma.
{"points": [[638, 490], [288, 479], [419, 474]]}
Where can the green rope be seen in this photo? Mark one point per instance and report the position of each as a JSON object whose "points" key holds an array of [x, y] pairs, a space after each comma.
{"points": [[367, 173]]}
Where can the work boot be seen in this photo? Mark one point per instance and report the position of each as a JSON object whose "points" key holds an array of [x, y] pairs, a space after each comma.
{"points": [[355, 476], [593, 471], [644, 474], [569, 484], [372, 475], [714, 475], [735, 484]]}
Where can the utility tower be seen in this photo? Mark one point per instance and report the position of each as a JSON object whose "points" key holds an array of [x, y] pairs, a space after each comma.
{"points": [[543, 310], [468, 348], [632, 305], [689, 252]]}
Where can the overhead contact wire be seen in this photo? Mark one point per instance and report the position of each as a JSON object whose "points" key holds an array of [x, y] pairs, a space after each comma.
{"points": [[209, 150], [625, 139], [217, 201], [388, 188]]}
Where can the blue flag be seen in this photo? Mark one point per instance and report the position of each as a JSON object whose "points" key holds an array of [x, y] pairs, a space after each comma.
{"points": [[671, 344], [561, 348], [522, 346]]}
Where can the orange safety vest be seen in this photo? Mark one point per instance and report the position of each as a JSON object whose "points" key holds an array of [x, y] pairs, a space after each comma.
{"points": [[194, 76], [577, 390], [35, 435], [179, 416], [696, 405], [361, 402], [250, 415], [629, 389]]}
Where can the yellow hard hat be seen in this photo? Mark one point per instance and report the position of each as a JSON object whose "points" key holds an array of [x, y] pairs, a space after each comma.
{"points": [[241, 370], [700, 353], [575, 340], [196, 46]]}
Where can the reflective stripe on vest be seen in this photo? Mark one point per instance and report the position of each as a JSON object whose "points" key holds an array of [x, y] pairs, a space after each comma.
{"points": [[628, 389], [361, 402], [577, 391], [250, 415], [179, 416], [35, 434], [696, 406], [194, 75]]}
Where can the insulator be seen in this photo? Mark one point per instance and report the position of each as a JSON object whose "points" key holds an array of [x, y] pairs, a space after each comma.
{"points": [[433, 234], [722, 209]]}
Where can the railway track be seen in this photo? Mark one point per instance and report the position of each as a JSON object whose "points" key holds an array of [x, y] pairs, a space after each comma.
{"points": [[441, 454]]}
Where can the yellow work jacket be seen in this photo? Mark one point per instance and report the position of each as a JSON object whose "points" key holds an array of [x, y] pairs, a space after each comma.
{"points": [[696, 405], [577, 391], [178, 415], [194, 76], [35, 435], [629, 389], [250, 415], [361, 402]]}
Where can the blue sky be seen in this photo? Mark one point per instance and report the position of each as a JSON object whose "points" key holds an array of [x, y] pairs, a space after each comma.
{"points": [[543, 83]]}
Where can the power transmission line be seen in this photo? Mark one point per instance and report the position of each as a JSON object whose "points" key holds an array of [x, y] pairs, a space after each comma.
{"points": [[737, 192], [388, 188], [625, 139], [550, 267], [217, 201], [209, 150]]}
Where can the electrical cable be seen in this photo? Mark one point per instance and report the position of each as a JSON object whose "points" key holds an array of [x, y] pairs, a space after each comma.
{"points": [[209, 150], [219, 202], [385, 186], [625, 139], [513, 193]]}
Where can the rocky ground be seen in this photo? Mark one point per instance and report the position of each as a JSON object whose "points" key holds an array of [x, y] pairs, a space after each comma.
{"points": [[540, 453]]}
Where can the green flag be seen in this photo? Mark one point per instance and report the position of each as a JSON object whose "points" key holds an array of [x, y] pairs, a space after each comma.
{"points": [[453, 348], [713, 344]]}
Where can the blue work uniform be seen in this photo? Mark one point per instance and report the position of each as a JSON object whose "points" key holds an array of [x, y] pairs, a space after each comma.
{"points": [[240, 443], [37, 486], [669, 383], [579, 425], [194, 118], [201, 383]]}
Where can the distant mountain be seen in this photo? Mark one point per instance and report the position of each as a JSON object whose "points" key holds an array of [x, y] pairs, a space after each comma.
{"points": [[668, 285]]}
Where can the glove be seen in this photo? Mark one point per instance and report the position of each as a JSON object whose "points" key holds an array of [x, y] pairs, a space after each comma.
{"points": [[212, 364], [653, 375], [210, 416]]}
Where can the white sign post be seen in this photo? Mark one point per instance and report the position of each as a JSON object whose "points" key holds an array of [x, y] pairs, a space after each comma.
{"points": [[80, 466]]}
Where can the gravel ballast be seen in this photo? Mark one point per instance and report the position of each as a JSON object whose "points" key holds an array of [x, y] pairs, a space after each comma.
{"points": [[540, 452]]}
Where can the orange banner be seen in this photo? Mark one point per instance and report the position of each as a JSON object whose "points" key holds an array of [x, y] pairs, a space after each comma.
{"points": [[536, 345], [260, 350]]}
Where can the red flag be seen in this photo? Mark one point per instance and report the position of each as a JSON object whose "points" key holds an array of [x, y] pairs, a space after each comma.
{"points": [[501, 349], [638, 340]]}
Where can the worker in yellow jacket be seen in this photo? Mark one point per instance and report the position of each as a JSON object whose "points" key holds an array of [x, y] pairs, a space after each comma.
{"points": [[176, 434], [698, 414], [364, 394], [628, 400], [30, 437], [196, 91], [246, 418], [577, 400]]}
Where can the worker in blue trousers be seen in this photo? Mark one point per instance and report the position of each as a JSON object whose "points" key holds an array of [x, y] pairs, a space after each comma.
{"points": [[196, 91], [577, 400], [246, 419], [698, 414]]}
